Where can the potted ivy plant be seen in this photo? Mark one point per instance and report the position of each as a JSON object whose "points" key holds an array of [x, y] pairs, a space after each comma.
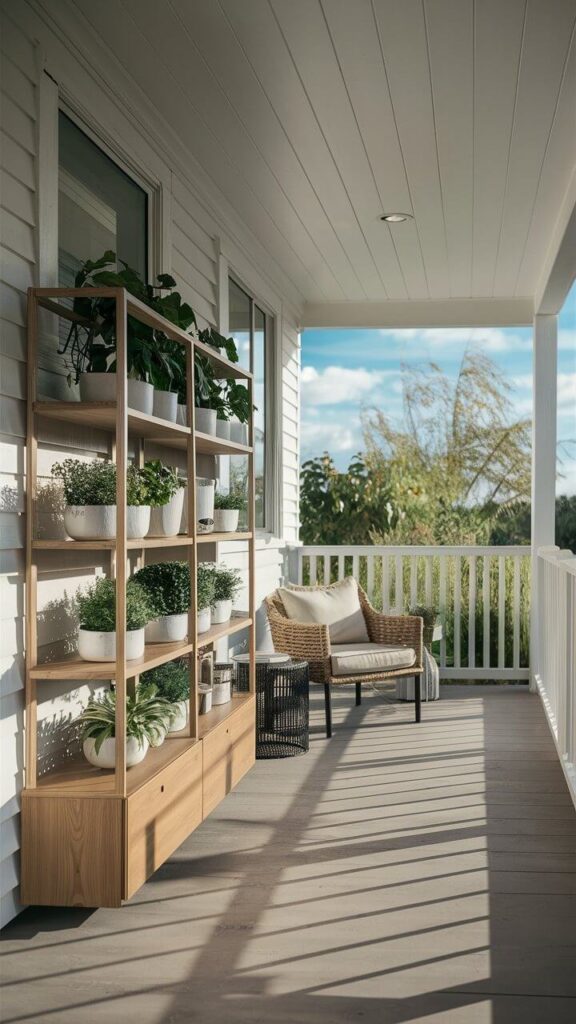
{"points": [[90, 497], [227, 583], [204, 595], [147, 716], [172, 683], [166, 496], [227, 509], [96, 607], [167, 585]]}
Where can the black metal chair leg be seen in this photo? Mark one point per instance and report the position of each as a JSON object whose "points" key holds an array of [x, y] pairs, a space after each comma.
{"points": [[328, 708], [418, 697], [358, 694]]}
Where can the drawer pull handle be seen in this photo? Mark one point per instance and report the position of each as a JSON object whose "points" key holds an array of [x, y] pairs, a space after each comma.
{"points": [[161, 789]]}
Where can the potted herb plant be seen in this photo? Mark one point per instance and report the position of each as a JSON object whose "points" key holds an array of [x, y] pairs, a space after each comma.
{"points": [[227, 508], [147, 717], [97, 614], [90, 496], [166, 496], [227, 583], [167, 585], [172, 683], [204, 595]]}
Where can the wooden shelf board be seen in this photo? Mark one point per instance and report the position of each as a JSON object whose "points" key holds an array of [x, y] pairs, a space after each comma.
{"points": [[77, 777], [209, 445], [234, 625], [109, 545], [206, 723], [75, 668], [220, 538], [102, 415]]}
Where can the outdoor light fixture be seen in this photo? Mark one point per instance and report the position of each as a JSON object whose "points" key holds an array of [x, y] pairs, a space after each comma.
{"points": [[396, 218]]}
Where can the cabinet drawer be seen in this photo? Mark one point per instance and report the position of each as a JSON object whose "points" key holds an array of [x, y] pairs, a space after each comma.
{"points": [[243, 746], [160, 815]]}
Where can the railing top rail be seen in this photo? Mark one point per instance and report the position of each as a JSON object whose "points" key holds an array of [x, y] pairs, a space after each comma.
{"points": [[564, 560], [516, 550]]}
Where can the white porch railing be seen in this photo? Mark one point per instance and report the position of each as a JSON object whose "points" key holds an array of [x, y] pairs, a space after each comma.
{"points": [[555, 673], [482, 595]]}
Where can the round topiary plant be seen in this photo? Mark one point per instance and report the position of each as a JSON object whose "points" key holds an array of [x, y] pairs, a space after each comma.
{"points": [[167, 585], [204, 585], [233, 502], [227, 583], [96, 606], [94, 483], [172, 681]]}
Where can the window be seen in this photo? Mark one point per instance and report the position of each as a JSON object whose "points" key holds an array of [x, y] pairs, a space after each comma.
{"points": [[99, 206], [252, 329]]}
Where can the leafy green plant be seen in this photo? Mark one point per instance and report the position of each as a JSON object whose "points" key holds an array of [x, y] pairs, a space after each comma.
{"points": [[94, 483], [232, 501], [162, 482], [167, 585], [238, 401], [204, 585], [172, 680], [227, 583], [146, 714], [96, 606]]}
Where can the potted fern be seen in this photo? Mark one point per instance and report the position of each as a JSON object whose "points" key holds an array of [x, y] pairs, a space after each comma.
{"points": [[90, 497], [227, 583], [204, 595], [167, 586], [96, 607], [166, 496], [148, 716], [227, 508], [172, 684]]}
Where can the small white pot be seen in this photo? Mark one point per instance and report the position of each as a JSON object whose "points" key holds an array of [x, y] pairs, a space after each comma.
{"points": [[101, 387], [226, 520], [221, 692], [221, 611], [182, 414], [205, 421], [167, 629], [165, 405], [90, 522], [95, 646], [106, 757], [203, 620], [238, 432], [204, 504], [180, 720], [137, 521], [140, 396], [165, 519], [223, 429], [204, 698]]}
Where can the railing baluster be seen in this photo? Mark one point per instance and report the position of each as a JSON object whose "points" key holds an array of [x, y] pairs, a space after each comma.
{"points": [[516, 614], [370, 577], [340, 567], [413, 580], [457, 599], [398, 585], [312, 570], [501, 611], [443, 564], [385, 584], [428, 580], [472, 612], [486, 604]]}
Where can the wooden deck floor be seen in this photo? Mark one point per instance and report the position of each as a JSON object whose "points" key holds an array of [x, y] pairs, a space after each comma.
{"points": [[395, 873]]}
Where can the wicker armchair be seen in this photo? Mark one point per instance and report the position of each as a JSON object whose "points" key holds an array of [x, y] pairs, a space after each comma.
{"points": [[311, 642]]}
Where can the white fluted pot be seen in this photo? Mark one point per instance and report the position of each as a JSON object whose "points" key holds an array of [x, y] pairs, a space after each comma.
{"points": [[136, 751], [167, 629], [101, 387], [226, 520], [96, 646], [221, 611], [165, 519], [205, 421], [180, 719], [203, 620], [165, 405], [98, 522]]}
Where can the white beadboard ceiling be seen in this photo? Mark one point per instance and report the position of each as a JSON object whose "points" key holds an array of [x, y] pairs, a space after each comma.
{"points": [[313, 116]]}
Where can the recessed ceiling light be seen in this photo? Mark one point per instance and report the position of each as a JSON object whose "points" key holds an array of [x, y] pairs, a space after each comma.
{"points": [[396, 218]]}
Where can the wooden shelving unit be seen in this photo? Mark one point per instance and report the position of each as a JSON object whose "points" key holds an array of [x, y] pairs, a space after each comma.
{"points": [[92, 837]]}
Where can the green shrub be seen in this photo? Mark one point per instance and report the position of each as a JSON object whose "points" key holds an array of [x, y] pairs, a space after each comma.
{"points": [[232, 501], [227, 583], [172, 680], [204, 585], [162, 482], [94, 483], [167, 585], [96, 606]]}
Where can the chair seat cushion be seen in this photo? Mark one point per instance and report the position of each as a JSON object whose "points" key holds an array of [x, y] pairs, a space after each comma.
{"points": [[362, 659], [336, 606]]}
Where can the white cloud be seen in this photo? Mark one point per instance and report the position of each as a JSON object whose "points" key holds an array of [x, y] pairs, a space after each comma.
{"points": [[335, 384], [328, 435], [488, 339], [567, 391]]}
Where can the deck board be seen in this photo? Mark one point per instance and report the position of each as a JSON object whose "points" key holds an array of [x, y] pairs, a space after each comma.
{"points": [[394, 873]]}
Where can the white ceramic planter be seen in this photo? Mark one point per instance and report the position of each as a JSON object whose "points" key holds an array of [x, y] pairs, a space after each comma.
{"points": [[221, 692], [106, 757], [238, 432], [205, 421], [226, 520], [221, 611], [98, 522], [203, 620], [165, 519], [180, 719], [167, 629], [223, 429], [101, 387], [165, 405], [159, 735], [204, 505], [95, 646], [204, 699], [182, 414]]}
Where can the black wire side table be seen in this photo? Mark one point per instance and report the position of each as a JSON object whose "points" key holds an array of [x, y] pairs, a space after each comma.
{"points": [[282, 701]]}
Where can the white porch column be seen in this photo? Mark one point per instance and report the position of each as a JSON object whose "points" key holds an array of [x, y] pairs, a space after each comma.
{"points": [[544, 364]]}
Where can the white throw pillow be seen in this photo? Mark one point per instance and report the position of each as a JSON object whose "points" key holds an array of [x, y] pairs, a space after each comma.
{"points": [[337, 607]]}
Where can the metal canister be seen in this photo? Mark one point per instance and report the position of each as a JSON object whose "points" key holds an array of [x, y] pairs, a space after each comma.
{"points": [[222, 682]]}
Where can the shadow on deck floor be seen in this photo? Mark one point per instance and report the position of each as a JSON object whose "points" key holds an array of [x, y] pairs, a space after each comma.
{"points": [[394, 873]]}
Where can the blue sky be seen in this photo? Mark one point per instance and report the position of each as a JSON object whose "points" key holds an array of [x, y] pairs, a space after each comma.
{"points": [[344, 371]]}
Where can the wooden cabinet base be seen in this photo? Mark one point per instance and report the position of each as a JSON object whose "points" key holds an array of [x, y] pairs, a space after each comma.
{"points": [[95, 851]]}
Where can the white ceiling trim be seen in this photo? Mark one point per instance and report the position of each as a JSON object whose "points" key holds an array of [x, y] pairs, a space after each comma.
{"points": [[445, 313]]}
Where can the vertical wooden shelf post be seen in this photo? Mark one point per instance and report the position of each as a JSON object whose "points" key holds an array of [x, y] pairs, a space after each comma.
{"points": [[121, 545], [31, 574]]}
